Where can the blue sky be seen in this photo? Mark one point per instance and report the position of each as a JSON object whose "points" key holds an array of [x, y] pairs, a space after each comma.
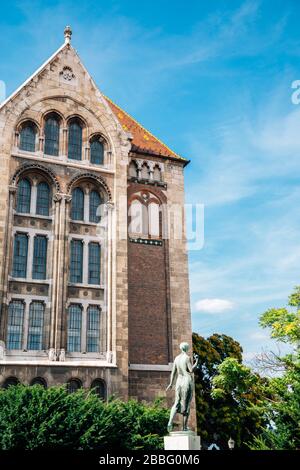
{"points": [[213, 80]]}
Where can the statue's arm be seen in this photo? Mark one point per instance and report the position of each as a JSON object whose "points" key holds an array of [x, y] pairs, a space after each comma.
{"points": [[196, 362], [173, 374]]}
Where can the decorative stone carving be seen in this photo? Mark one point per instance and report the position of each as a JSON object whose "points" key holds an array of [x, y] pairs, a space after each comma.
{"points": [[62, 355], [2, 350], [67, 74], [52, 354]]}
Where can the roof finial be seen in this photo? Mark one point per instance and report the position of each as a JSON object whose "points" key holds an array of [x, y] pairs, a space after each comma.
{"points": [[67, 34]]}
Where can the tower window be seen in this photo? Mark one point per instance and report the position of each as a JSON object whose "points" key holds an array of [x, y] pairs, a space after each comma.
{"points": [[35, 326], [77, 209], [39, 257], [76, 261], [74, 328], [20, 255], [15, 324], [94, 263], [97, 151], [52, 135], [28, 137], [23, 196], [75, 140], [95, 201], [43, 199]]}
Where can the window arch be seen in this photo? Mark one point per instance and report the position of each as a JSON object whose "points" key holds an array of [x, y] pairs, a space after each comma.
{"points": [[145, 172], [35, 326], [10, 381], [157, 173], [73, 385], [154, 219], [43, 199], [99, 387], [52, 124], [39, 381], [95, 202], [74, 328], [15, 324], [77, 206], [28, 136], [93, 329], [144, 215], [97, 151], [133, 170], [75, 140], [24, 196]]}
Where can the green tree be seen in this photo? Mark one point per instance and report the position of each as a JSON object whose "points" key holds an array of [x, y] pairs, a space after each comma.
{"points": [[38, 418]]}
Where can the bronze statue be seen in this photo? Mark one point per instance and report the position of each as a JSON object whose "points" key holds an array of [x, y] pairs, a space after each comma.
{"points": [[184, 369]]}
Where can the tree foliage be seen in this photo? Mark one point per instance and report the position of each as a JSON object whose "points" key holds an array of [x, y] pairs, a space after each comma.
{"points": [[38, 418]]}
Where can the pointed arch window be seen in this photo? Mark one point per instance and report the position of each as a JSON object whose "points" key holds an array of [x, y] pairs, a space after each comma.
{"points": [[35, 326], [23, 196], [95, 202], [93, 329], [20, 255], [74, 328], [52, 135], [97, 151], [75, 140], [28, 137], [43, 199], [77, 208], [15, 324]]}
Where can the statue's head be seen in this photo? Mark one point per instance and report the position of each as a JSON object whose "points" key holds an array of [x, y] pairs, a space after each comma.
{"points": [[184, 347]]}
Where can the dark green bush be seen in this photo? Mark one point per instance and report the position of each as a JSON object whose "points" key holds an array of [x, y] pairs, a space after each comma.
{"points": [[38, 418]]}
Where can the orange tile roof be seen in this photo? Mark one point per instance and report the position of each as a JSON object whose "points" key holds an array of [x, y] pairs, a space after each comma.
{"points": [[143, 140]]}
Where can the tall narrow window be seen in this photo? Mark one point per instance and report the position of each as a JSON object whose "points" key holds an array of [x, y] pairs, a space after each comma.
{"points": [[20, 255], [97, 151], [93, 329], [77, 208], [94, 263], [23, 196], [35, 326], [74, 328], [43, 199], [52, 135], [15, 324], [76, 260], [39, 266], [95, 201], [27, 137], [136, 217], [154, 221], [75, 140]]}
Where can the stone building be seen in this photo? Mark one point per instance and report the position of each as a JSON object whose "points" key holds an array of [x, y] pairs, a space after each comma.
{"points": [[94, 283]]}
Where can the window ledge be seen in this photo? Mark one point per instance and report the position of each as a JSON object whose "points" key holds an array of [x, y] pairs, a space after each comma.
{"points": [[33, 216], [134, 179], [86, 286], [30, 281], [146, 241]]}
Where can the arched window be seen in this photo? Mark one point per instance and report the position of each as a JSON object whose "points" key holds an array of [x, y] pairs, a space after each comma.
{"points": [[74, 328], [15, 324], [52, 135], [10, 382], [99, 387], [133, 173], [23, 196], [35, 326], [76, 261], [43, 199], [20, 255], [39, 266], [93, 329], [145, 172], [136, 217], [94, 263], [39, 381], [154, 221], [28, 137], [73, 385], [157, 173], [145, 216], [77, 208], [75, 140], [97, 151], [95, 202]]}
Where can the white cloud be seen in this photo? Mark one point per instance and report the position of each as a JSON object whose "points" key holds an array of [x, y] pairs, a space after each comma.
{"points": [[213, 305]]}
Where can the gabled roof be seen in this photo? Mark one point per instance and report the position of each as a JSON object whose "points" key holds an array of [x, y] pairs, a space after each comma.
{"points": [[143, 140]]}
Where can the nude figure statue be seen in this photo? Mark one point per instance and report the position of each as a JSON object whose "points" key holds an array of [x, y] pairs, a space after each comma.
{"points": [[184, 369]]}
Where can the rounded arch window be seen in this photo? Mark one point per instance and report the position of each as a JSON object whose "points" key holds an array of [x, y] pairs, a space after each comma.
{"points": [[75, 139], [10, 381], [51, 131], [39, 381], [23, 196], [97, 150], [28, 134], [73, 385], [99, 388]]}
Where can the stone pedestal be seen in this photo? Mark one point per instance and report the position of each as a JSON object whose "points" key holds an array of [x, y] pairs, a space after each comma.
{"points": [[182, 440]]}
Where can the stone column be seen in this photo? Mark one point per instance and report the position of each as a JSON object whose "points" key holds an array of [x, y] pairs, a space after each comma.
{"points": [[109, 207], [55, 273]]}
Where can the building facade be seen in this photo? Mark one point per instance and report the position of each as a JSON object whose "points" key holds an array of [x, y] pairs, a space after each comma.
{"points": [[94, 281]]}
